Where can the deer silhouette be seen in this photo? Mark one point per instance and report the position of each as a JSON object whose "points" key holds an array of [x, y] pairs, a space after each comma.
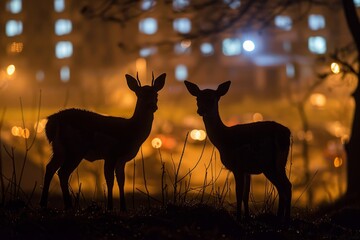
{"points": [[245, 149], [79, 134]]}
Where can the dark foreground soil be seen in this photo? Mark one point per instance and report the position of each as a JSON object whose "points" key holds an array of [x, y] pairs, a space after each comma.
{"points": [[172, 222]]}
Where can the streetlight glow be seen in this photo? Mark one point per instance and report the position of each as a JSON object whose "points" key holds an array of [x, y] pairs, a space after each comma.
{"points": [[10, 70]]}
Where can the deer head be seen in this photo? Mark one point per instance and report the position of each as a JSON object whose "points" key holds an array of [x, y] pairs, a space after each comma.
{"points": [[207, 99], [147, 95]]}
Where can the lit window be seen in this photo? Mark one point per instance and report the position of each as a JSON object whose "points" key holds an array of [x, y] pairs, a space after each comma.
{"points": [[59, 5], [317, 45], [13, 28], [145, 52], [207, 49], [63, 26], [148, 26], [147, 4], [182, 25], [283, 22], [181, 72], [65, 74], [231, 46], [316, 21], [14, 6], [63, 49], [180, 4], [290, 70], [357, 3], [234, 4]]}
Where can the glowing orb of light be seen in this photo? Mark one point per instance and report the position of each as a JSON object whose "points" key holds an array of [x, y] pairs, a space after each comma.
{"points": [[156, 143], [10, 70], [249, 46], [335, 68], [198, 135]]}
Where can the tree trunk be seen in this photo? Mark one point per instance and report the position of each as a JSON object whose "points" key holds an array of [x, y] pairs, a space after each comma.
{"points": [[353, 146]]}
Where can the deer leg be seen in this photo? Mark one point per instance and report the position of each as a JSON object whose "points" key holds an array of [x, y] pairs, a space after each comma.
{"points": [[109, 177], [239, 182], [51, 168], [64, 173], [120, 177], [278, 183], [286, 188], [247, 181]]}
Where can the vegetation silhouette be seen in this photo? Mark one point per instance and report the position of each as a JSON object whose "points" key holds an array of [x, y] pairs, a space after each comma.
{"points": [[245, 149], [79, 134]]}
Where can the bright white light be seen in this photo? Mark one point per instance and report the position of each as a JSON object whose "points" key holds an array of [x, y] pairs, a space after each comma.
{"points": [[181, 72], [59, 5], [63, 49], [317, 44], [14, 6], [231, 46], [63, 26], [148, 26], [316, 21], [249, 46], [182, 25], [13, 28], [283, 22]]}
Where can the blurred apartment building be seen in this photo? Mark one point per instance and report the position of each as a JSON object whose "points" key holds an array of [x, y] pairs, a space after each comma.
{"points": [[54, 47]]}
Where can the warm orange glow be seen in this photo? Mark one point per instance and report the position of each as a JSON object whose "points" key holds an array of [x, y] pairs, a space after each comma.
{"points": [[15, 131], [318, 100], [156, 143], [15, 47], [257, 117], [338, 162], [10, 70], [39, 126], [20, 132], [25, 133], [198, 135], [335, 68]]}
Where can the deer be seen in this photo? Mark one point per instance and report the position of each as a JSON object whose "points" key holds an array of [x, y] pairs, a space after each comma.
{"points": [[246, 149], [77, 134]]}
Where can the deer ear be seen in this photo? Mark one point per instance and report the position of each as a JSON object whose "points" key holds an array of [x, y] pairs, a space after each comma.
{"points": [[223, 88], [159, 82], [132, 83], [192, 88]]}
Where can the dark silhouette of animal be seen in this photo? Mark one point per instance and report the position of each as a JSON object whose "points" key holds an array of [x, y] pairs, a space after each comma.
{"points": [[253, 148], [79, 134]]}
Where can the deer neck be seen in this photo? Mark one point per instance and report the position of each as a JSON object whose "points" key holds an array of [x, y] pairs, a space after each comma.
{"points": [[215, 128], [143, 118]]}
